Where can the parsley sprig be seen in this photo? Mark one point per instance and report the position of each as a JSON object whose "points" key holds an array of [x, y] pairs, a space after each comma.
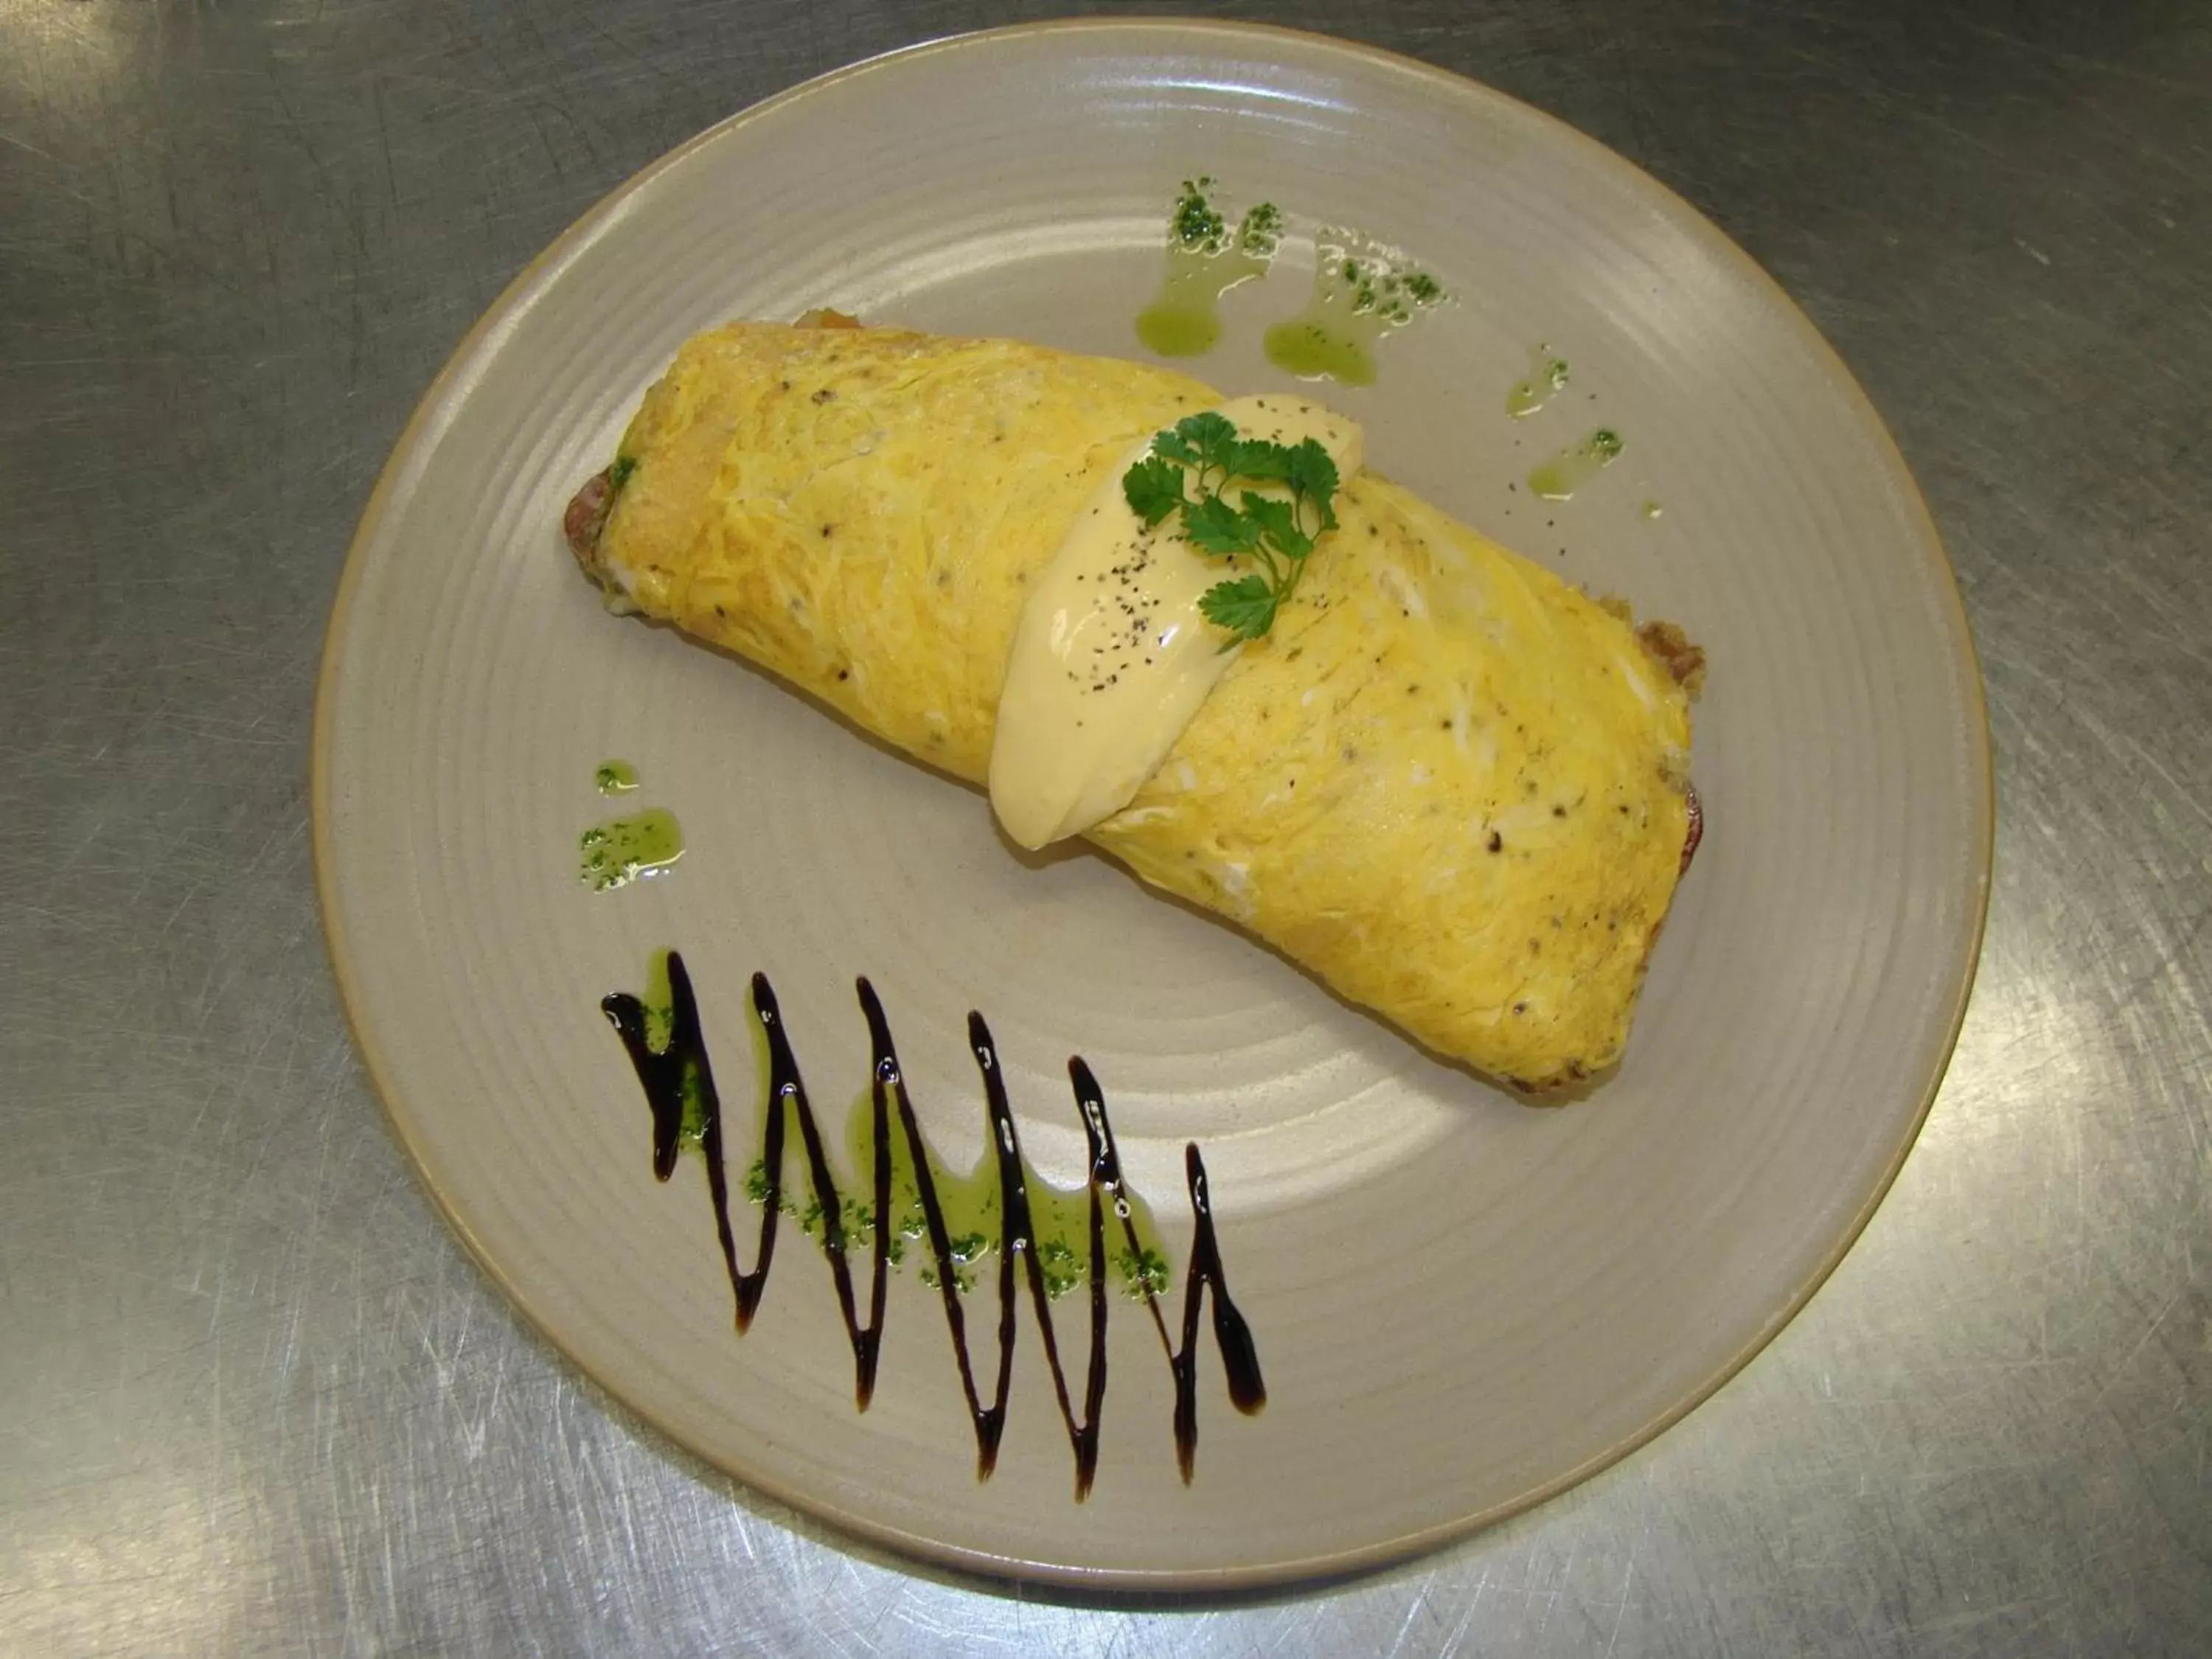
{"points": [[1277, 534]]}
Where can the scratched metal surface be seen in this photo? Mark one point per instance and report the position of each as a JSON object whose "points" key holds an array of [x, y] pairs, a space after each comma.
{"points": [[252, 1398]]}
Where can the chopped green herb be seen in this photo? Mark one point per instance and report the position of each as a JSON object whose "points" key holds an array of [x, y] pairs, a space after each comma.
{"points": [[691, 1134], [618, 474], [1195, 224], [1144, 1273], [1262, 232], [621, 850]]}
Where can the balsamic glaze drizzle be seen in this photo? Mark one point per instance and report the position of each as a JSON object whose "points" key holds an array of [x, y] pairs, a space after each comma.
{"points": [[667, 1074]]}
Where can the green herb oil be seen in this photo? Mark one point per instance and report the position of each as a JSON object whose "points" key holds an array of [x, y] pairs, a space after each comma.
{"points": [[1204, 262], [1558, 478], [1546, 374], [969, 1204], [619, 851], [1362, 292]]}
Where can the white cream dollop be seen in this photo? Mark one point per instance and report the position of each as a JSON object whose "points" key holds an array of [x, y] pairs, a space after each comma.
{"points": [[1113, 657]]}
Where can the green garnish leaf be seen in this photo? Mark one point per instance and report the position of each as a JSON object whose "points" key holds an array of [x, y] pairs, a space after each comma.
{"points": [[1245, 607], [1277, 532], [1214, 526], [1207, 441], [1260, 461], [1277, 522], [1170, 445], [618, 474], [1312, 476], [1153, 489]]}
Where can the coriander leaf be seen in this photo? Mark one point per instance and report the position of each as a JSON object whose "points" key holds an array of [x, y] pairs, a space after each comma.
{"points": [[1153, 489], [1260, 461], [1213, 435], [1278, 521], [1246, 607], [1214, 526], [1171, 445], [1270, 529], [1313, 475], [618, 474]]}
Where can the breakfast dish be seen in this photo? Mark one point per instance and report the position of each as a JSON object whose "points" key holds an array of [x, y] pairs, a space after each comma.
{"points": [[1443, 780], [1462, 1305]]}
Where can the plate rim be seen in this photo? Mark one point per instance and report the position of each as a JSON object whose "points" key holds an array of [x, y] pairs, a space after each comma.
{"points": [[451, 384]]}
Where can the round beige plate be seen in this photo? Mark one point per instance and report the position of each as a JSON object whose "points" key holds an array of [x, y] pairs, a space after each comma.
{"points": [[1461, 1303]]}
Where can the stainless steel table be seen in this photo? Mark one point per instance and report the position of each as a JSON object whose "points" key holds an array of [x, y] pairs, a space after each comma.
{"points": [[254, 1398]]}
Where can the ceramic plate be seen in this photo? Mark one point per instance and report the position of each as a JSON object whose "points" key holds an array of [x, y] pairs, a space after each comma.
{"points": [[1461, 1302]]}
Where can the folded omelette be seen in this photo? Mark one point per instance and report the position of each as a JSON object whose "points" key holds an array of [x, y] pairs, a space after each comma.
{"points": [[1450, 785]]}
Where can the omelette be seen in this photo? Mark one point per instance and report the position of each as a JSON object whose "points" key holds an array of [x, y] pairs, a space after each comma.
{"points": [[1450, 785]]}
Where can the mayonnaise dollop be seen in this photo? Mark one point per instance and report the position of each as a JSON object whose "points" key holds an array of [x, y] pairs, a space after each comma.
{"points": [[1112, 657]]}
